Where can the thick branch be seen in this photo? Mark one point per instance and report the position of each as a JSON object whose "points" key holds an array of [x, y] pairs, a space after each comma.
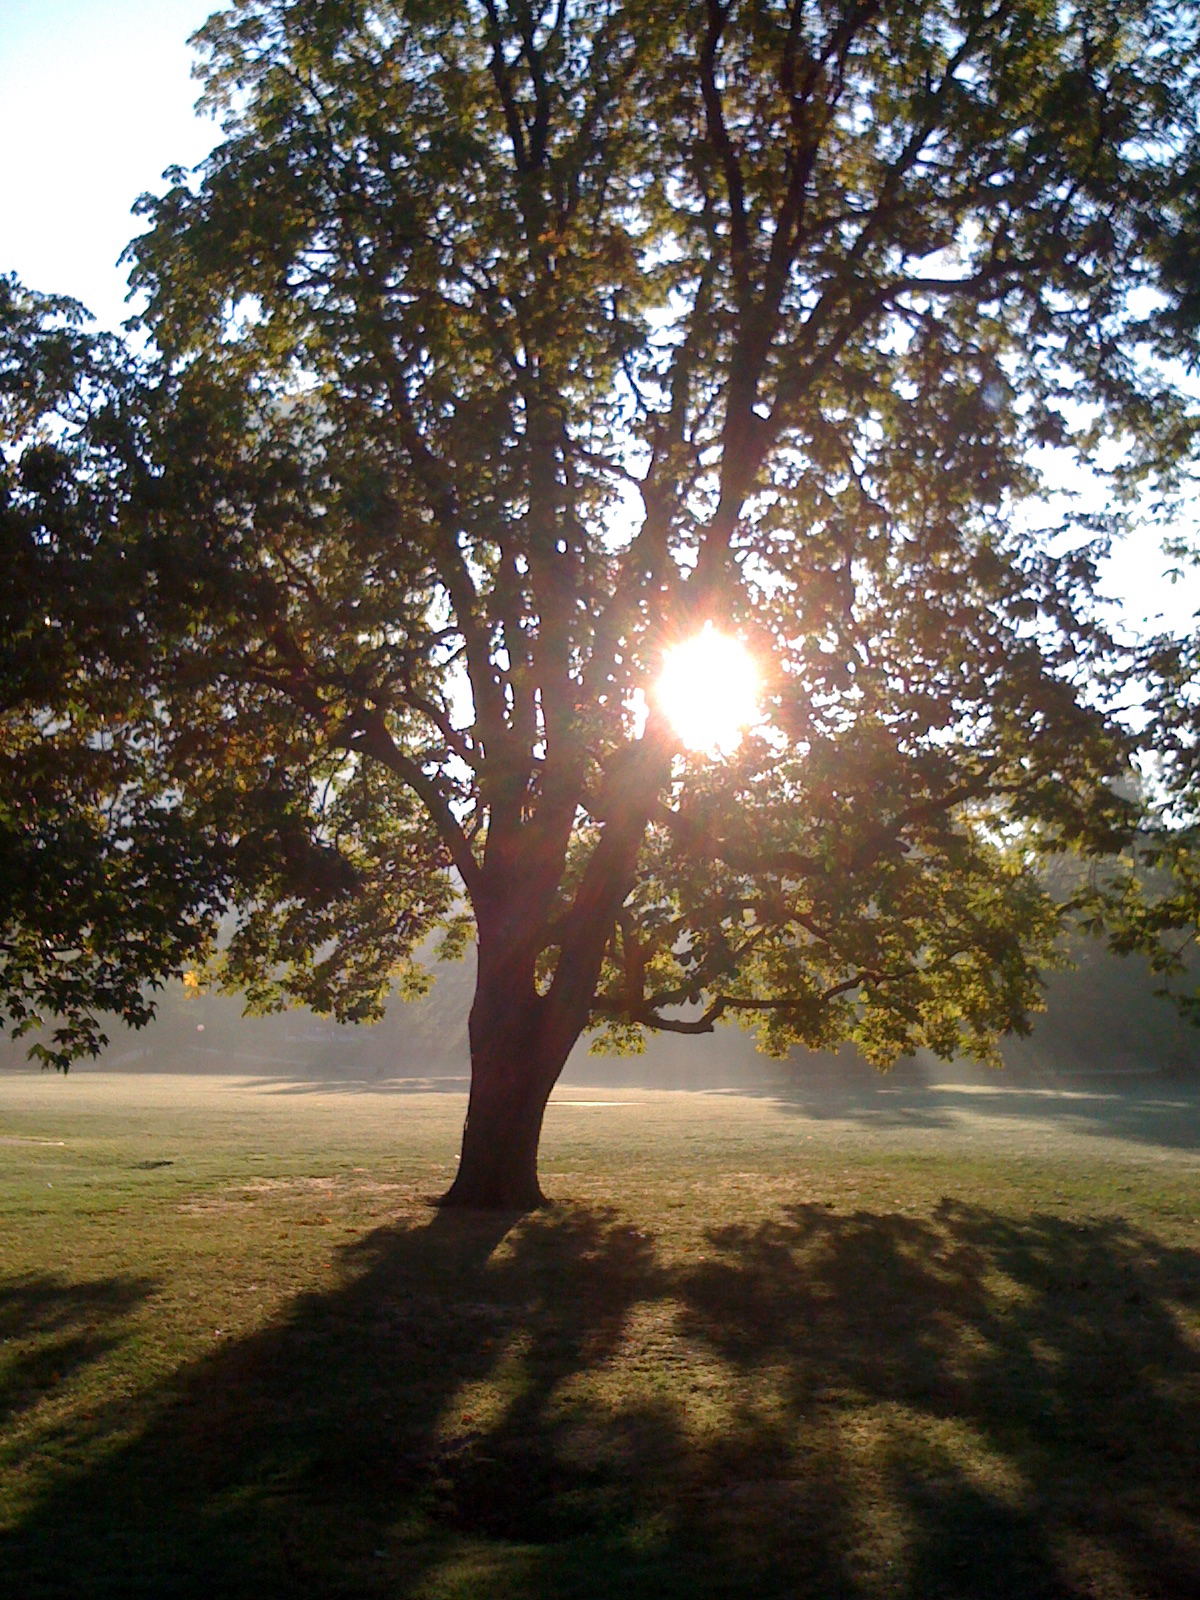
{"points": [[649, 1017], [376, 741]]}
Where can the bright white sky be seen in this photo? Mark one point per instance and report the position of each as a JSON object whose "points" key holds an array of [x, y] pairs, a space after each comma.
{"points": [[96, 100]]}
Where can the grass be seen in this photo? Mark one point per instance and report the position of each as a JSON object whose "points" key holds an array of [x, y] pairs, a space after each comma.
{"points": [[889, 1343]]}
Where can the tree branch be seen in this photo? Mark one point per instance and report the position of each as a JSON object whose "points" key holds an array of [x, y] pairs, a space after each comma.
{"points": [[376, 741]]}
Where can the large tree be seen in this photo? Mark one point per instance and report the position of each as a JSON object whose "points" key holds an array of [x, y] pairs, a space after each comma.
{"points": [[499, 348]]}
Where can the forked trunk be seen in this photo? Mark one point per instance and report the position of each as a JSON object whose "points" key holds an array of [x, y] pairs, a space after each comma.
{"points": [[520, 1038]]}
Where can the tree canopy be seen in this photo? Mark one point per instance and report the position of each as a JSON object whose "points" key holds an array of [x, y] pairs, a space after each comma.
{"points": [[498, 348]]}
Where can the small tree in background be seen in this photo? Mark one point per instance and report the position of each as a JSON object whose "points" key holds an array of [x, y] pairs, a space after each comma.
{"points": [[498, 350]]}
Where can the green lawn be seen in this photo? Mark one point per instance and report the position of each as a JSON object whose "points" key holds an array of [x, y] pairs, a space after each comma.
{"points": [[898, 1342]]}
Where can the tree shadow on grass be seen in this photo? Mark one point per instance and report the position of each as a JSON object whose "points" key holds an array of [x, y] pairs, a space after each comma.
{"points": [[960, 1405], [1015, 1403], [1150, 1111], [57, 1328]]}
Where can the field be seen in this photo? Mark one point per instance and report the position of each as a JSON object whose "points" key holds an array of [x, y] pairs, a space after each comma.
{"points": [[884, 1342]]}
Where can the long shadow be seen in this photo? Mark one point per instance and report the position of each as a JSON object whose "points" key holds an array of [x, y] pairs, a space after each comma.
{"points": [[1150, 1111], [959, 1405], [1022, 1400]]}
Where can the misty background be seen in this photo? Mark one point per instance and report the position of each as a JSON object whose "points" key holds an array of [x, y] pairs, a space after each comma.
{"points": [[1102, 1017]]}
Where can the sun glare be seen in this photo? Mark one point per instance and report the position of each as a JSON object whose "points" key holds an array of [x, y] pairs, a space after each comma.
{"points": [[709, 691]]}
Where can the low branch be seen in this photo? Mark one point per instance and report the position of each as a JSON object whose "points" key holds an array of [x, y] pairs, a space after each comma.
{"points": [[649, 1017], [378, 743]]}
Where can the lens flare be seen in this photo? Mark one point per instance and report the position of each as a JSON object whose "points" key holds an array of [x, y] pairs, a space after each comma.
{"points": [[709, 691]]}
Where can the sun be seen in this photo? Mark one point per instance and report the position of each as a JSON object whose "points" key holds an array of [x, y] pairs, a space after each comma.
{"points": [[709, 691]]}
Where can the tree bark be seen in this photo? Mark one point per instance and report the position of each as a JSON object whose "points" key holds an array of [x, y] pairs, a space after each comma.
{"points": [[516, 1059], [498, 1166], [520, 1038]]}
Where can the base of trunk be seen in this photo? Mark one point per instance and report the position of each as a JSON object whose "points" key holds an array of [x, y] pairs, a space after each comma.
{"points": [[497, 1196], [497, 1170]]}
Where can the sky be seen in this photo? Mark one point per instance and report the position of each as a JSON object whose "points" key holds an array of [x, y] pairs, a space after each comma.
{"points": [[96, 99]]}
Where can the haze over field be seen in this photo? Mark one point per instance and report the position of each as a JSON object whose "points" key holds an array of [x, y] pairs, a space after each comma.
{"points": [[1102, 1017]]}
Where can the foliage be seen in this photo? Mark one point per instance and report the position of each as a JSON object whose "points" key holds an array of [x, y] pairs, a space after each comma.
{"points": [[1149, 902], [497, 348], [125, 828]]}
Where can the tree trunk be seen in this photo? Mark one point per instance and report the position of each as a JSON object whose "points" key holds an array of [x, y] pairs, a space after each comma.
{"points": [[520, 1039], [497, 1170], [516, 1058]]}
